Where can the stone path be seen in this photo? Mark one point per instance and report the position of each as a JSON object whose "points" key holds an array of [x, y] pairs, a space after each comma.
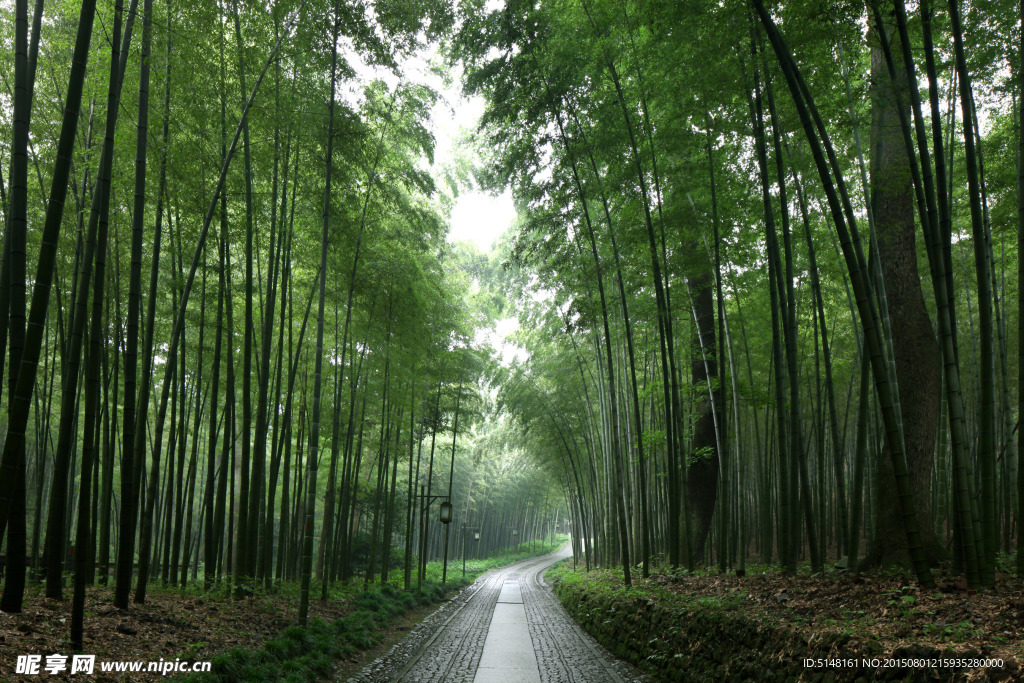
{"points": [[507, 627]]}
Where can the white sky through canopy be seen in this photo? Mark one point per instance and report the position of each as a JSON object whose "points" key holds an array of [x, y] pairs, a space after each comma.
{"points": [[481, 218]]}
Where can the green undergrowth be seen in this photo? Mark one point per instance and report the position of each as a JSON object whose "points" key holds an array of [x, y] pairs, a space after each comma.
{"points": [[311, 652], [674, 636], [305, 653]]}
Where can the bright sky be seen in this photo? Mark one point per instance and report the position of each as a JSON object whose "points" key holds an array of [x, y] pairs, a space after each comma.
{"points": [[477, 217], [481, 218]]}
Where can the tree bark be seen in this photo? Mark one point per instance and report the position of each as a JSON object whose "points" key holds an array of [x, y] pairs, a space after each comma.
{"points": [[918, 361]]}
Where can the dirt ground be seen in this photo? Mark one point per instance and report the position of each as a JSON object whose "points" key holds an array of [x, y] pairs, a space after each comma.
{"points": [[170, 625], [890, 611]]}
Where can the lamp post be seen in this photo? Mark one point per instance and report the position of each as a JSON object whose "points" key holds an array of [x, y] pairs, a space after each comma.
{"points": [[445, 517], [476, 537]]}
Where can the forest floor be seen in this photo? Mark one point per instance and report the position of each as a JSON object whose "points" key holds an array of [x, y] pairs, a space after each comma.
{"points": [[882, 612], [873, 617], [172, 624], [889, 611]]}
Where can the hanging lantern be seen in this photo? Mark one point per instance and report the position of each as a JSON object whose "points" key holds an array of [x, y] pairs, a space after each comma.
{"points": [[476, 535], [446, 512]]}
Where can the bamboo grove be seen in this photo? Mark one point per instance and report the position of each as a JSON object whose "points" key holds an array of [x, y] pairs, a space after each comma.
{"points": [[763, 270], [238, 348], [765, 274]]}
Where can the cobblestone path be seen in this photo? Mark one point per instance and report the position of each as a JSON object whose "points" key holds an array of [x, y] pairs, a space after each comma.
{"points": [[506, 628]]}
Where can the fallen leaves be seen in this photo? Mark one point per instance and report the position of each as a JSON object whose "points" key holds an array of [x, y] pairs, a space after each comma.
{"points": [[171, 624], [888, 611]]}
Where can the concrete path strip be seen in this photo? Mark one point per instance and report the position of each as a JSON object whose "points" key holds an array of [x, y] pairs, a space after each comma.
{"points": [[508, 651], [508, 627]]}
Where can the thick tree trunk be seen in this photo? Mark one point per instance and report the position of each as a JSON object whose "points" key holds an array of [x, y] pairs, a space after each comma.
{"points": [[918, 362], [702, 474]]}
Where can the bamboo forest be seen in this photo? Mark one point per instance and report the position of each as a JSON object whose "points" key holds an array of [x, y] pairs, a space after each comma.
{"points": [[444, 340]]}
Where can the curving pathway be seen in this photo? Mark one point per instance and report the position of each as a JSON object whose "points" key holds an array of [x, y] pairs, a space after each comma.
{"points": [[507, 627]]}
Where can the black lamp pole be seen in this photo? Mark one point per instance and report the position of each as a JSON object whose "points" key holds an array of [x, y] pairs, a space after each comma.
{"points": [[476, 537], [446, 517]]}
